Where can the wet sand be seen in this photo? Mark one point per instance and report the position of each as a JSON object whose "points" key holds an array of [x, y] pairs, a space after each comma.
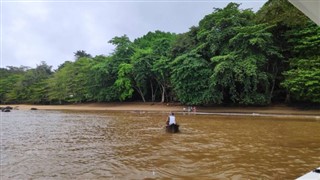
{"points": [[163, 107]]}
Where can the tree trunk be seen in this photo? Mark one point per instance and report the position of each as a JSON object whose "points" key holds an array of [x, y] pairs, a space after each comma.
{"points": [[275, 72], [153, 97], [141, 94], [163, 94]]}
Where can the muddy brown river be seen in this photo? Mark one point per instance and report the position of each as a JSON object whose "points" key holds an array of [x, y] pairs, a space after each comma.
{"points": [[134, 145]]}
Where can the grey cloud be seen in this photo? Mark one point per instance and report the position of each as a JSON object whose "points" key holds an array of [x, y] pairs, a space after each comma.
{"points": [[51, 32]]}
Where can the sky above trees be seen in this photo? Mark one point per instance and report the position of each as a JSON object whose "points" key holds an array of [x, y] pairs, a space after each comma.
{"points": [[34, 31]]}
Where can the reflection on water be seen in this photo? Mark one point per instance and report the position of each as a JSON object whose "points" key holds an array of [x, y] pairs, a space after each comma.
{"points": [[133, 145]]}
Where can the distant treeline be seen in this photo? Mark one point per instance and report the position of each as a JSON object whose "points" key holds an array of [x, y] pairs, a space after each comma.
{"points": [[233, 56]]}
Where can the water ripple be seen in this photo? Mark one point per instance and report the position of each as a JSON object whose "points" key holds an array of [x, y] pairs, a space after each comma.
{"points": [[114, 145]]}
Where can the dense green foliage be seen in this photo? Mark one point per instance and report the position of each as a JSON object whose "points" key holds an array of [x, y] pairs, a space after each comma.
{"points": [[233, 56], [303, 77]]}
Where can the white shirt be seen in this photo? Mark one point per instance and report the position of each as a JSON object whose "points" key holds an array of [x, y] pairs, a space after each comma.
{"points": [[172, 120]]}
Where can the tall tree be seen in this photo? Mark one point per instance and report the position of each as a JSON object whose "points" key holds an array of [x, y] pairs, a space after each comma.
{"points": [[32, 87], [9, 78], [149, 74], [242, 71], [302, 80], [190, 80], [282, 13], [123, 83], [283, 17], [72, 82], [217, 28], [103, 79], [58, 84]]}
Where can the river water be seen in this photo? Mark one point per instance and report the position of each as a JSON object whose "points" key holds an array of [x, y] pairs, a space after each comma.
{"points": [[134, 145]]}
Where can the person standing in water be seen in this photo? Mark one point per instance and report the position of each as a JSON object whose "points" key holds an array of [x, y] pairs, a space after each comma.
{"points": [[171, 119]]}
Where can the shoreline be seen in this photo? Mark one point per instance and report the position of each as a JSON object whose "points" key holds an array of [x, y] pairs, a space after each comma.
{"points": [[161, 107]]}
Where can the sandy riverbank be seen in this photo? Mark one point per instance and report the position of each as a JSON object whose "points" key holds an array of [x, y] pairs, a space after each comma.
{"points": [[134, 106]]}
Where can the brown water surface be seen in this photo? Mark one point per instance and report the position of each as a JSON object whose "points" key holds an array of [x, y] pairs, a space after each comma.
{"points": [[134, 145]]}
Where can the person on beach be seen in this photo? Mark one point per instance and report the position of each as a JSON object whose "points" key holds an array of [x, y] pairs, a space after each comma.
{"points": [[194, 109], [171, 119]]}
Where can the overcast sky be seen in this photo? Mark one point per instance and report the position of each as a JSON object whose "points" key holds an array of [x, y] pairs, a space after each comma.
{"points": [[51, 31]]}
